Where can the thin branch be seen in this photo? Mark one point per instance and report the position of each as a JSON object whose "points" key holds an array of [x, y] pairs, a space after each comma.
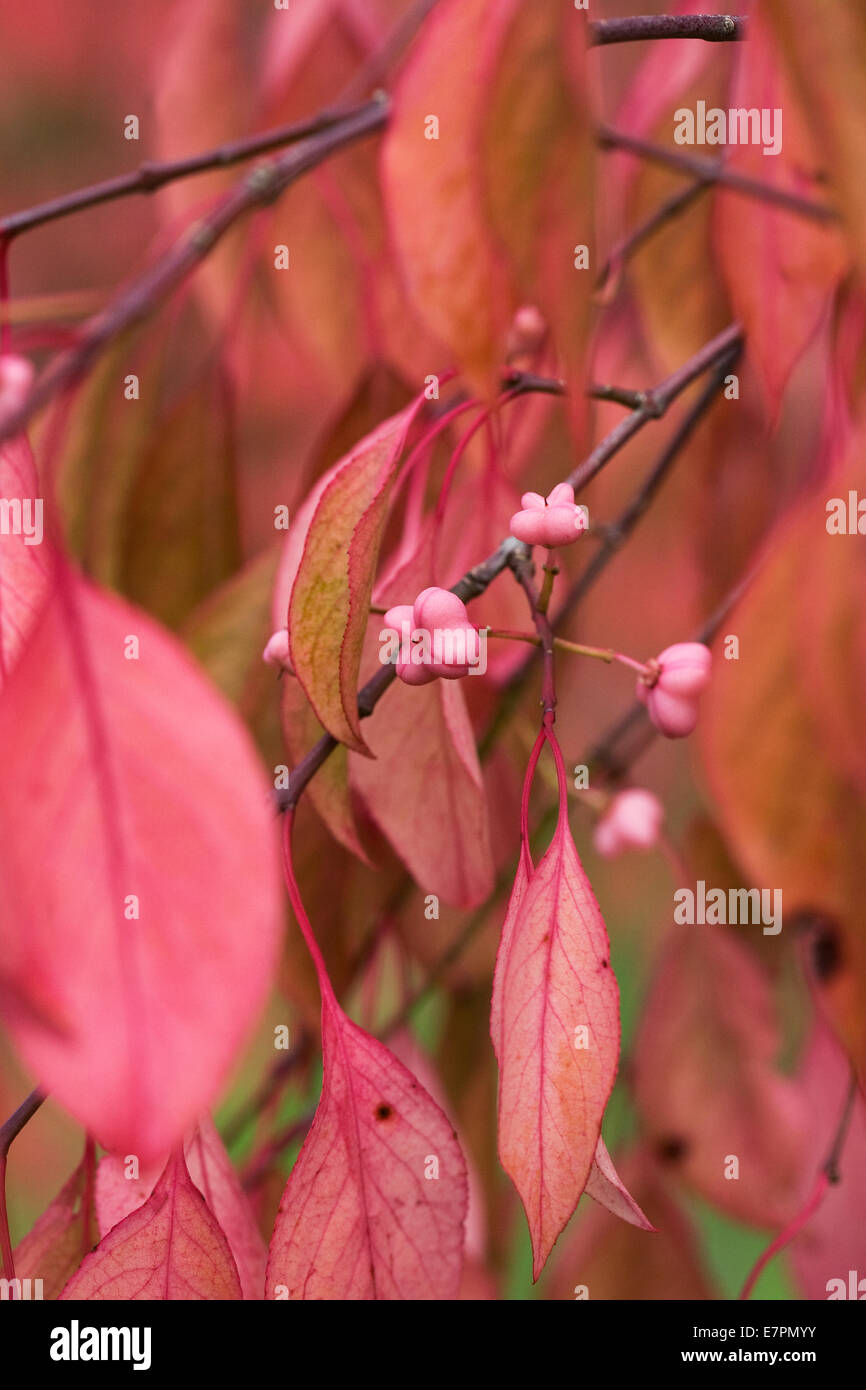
{"points": [[712, 28], [655, 403], [8, 1133], [149, 177], [715, 171], [261, 186], [671, 208]]}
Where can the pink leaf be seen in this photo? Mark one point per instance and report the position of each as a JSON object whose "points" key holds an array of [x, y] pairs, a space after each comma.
{"points": [[375, 1205], [171, 1248], [330, 598], [555, 1030], [210, 1168], [139, 912]]}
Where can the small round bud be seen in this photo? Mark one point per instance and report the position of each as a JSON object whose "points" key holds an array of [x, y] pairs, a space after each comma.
{"points": [[632, 821], [276, 653], [672, 698]]}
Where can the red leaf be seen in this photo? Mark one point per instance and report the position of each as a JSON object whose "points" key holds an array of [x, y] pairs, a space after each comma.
{"points": [[210, 1168], [553, 977], [171, 1248], [140, 915], [330, 599], [360, 1217]]}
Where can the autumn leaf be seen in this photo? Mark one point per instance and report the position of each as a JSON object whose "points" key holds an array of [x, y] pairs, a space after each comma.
{"points": [[171, 1248], [555, 1030], [210, 1169], [330, 597], [485, 174], [780, 268], [140, 916]]}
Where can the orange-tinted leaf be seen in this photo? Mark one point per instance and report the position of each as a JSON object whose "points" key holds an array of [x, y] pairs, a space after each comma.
{"points": [[780, 268], [555, 1028], [330, 599]]}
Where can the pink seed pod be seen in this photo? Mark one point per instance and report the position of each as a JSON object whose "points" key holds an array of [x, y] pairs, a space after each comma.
{"points": [[276, 653], [672, 701], [552, 521], [443, 642], [632, 821]]}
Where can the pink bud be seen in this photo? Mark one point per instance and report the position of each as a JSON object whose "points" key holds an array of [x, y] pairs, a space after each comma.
{"points": [[16, 375], [527, 333], [554, 521], [672, 700], [276, 653], [632, 821]]}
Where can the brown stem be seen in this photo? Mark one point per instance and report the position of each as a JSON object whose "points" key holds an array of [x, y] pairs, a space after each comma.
{"points": [[664, 213], [8, 1133], [712, 28], [714, 171], [656, 402]]}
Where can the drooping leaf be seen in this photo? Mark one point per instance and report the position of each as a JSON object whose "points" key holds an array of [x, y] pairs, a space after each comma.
{"points": [[171, 1248], [210, 1169], [138, 884], [64, 1233], [780, 268], [485, 209], [330, 598], [784, 717], [375, 1205], [824, 48], [555, 1028], [706, 1079]]}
